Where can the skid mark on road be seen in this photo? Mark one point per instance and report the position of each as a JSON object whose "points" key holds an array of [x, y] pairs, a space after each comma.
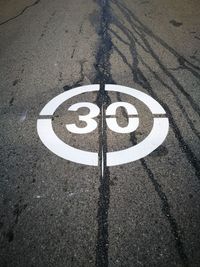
{"points": [[165, 207], [156, 76], [138, 37], [167, 212]]}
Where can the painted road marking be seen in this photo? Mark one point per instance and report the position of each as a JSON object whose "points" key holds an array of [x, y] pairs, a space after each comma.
{"points": [[94, 111], [150, 143], [133, 123], [91, 124]]}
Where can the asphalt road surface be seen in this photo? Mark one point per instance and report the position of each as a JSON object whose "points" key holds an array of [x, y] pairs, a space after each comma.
{"points": [[139, 209]]}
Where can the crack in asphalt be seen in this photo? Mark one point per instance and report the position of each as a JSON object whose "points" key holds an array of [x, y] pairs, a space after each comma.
{"points": [[138, 76], [79, 81], [25, 8], [103, 76], [165, 207], [166, 210], [156, 76], [140, 29]]}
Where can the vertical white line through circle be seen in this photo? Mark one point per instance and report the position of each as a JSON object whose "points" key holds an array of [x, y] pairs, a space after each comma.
{"points": [[58, 147], [102, 134]]}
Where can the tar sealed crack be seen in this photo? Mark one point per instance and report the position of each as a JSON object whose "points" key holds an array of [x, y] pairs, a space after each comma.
{"points": [[103, 76], [27, 7], [138, 37], [81, 79], [166, 210]]}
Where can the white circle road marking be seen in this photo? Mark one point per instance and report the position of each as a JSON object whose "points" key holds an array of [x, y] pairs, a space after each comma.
{"points": [[53, 104], [155, 138], [150, 143], [61, 149], [50, 139]]}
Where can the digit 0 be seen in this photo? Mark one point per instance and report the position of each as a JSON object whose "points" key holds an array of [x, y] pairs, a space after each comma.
{"points": [[112, 122]]}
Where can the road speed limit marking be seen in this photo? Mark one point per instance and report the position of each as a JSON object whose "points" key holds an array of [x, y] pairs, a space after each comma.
{"points": [[56, 145], [112, 122]]}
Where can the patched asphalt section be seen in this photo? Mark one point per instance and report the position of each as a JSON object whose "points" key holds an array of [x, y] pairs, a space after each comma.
{"points": [[103, 76]]}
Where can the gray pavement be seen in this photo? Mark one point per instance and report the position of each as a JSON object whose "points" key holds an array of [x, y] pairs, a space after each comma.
{"points": [[55, 212]]}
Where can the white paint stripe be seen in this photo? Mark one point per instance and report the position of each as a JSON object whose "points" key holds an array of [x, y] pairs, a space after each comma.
{"points": [[102, 131], [57, 146], [150, 143], [152, 104], [102, 163]]}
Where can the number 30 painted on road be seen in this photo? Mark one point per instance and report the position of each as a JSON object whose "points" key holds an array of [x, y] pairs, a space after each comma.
{"points": [[155, 138], [94, 111]]}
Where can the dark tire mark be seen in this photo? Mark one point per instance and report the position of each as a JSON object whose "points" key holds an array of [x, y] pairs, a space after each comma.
{"points": [[132, 39], [146, 30], [103, 76], [165, 207], [140, 29], [140, 79]]}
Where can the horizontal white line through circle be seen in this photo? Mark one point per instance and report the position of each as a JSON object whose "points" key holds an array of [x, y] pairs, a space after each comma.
{"points": [[155, 138]]}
